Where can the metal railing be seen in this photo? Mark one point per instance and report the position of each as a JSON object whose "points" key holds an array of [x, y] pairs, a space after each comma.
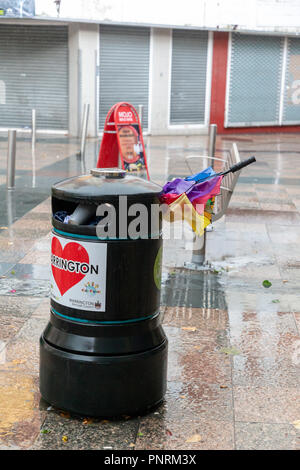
{"points": [[222, 200], [228, 184]]}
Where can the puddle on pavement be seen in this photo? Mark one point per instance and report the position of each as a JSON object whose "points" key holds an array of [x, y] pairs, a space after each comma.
{"points": [[20, 287], [29, 272], [237, 263], [17, 416], [196, 289]]}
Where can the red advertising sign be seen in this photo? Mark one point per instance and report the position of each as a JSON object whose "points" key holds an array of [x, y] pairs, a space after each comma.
{"points": [[122, 142]]}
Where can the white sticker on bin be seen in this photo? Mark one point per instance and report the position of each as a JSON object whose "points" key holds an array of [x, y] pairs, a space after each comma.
{"points": [[78, 273]]}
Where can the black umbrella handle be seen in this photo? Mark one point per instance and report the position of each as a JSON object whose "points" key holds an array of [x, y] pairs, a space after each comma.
{"points": [[239, 166], [233, 169]]}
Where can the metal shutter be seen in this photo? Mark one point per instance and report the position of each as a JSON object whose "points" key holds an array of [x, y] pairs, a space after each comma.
{"points": [[255, 80], [124, 69], [34, 75], [291, 109], [188, 81]]}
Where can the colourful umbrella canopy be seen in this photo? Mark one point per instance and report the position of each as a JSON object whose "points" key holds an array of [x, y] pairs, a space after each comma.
{"points": [[187, 198], [192, 198]]}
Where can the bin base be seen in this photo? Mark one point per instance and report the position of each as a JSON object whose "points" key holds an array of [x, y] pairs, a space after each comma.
{"points": [[103, 386]]}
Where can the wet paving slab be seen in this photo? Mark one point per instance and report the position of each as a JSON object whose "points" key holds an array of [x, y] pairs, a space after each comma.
{"points": [[20, 418], [234, 345], [261, 217], [193, 289], [261, 436], [21, 287], [28, 272], [265, 371], [13, 250], [188, 432], [60, 431]]}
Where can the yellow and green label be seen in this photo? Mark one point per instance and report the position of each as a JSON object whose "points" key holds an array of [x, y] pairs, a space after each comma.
{"points": [[158, 268]]}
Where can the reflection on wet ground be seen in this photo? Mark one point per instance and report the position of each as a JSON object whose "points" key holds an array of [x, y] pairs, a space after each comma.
{"points": [[234, 345]]}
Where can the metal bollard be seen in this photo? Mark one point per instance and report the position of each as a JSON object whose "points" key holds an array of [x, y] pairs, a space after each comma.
{"points": [[33, 130], [140, 112], [85, 120], [33, 142], [198, 255], [11, 159], [212, 143]]}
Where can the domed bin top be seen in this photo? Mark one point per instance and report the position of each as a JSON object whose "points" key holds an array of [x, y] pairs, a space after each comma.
{"points": [[105, 184]]}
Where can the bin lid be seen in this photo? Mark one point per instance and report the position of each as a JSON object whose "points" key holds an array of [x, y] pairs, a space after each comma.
{"points": [[104, 183]]}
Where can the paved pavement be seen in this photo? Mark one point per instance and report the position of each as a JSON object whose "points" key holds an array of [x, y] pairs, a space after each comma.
{"points": [[234, 345]]}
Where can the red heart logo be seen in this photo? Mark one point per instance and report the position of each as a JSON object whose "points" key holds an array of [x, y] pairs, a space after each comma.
{"points": [[72, 252]]}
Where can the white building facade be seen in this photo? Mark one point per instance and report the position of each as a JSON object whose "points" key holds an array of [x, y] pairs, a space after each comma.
{"points": [[207, 61]]}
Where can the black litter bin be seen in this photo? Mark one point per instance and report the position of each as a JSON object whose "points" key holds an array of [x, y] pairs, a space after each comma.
{"points": [[104, 351]]}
